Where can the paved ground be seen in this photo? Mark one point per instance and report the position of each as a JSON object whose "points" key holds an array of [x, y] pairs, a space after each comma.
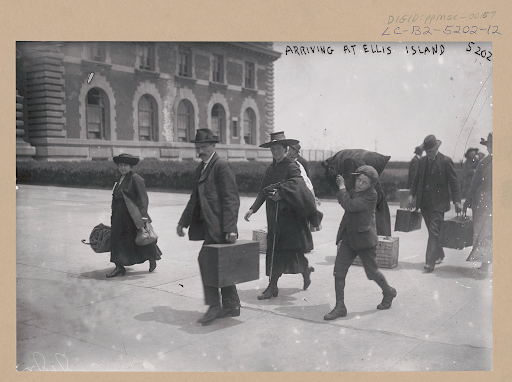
{"points": [[69, 316]]}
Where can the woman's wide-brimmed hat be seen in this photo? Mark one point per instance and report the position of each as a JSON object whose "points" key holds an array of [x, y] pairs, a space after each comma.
{"points": [[205, 135], [280, 139], [489, 139], [431, 143], [469, 150], [126, 158]]}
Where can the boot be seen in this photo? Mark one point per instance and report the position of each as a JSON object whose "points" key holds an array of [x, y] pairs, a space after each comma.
{"points": [[120, 270], [388, 292], [339, 310], [307, 277], [152, 264], [213, 312], [231, 308], [271, 291]]}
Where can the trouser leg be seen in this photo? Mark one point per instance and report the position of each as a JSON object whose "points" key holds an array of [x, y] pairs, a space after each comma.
{"points": [[230, 297], [433, 221]]}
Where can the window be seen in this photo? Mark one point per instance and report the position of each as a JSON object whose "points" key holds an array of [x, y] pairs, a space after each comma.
{"points": [[218, 121], [249, 126], [218, 68], [97, 52], [235, 128], [148, 119], [249, 75], [98, 114], [147, 56], [185, 61], [185, 121]]}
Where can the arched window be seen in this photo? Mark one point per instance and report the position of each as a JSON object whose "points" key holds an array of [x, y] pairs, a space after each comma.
{"points": [[148, 119], [98, 114], [185, 121], [250, 126], [219, 122]]}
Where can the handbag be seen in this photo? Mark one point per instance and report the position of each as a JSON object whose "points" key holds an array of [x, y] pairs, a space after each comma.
{"points": [[99, 239], [146, 235]]}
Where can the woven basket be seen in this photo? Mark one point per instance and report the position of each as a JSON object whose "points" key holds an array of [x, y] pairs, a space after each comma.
{"points": [[260, 235], [387, 253]]}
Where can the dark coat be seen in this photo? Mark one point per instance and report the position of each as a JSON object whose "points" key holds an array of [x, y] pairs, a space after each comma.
{"points": [[443, 179], [214, 202], [359, 219], [129, 205], [293, 233], [413, 170]]}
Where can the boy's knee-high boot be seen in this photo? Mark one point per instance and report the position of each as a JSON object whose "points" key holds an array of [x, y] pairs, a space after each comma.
{"points": [[339, 310], [389, 293]]}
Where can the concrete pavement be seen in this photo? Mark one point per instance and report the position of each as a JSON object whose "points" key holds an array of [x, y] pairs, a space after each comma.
{"points": [[69, 316]]}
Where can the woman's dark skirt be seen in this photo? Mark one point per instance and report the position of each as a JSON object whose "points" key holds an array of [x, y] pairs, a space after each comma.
{"points": [[124, 250]]}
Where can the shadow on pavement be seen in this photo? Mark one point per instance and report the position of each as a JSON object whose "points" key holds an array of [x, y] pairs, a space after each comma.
{"points": [[101, 275], [329, 260], [185, 320], [284, 297]]}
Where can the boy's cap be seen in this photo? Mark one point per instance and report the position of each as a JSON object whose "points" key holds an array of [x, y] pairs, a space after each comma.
{"points": [[369, 171]]}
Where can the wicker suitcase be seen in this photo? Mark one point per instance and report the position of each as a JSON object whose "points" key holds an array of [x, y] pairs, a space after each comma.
{"points": [[260, 235], [407, 220], [457, 233], [228, 264], [387, 253]]}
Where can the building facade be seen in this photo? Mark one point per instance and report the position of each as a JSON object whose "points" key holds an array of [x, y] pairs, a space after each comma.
{"points": [[95, 100]]}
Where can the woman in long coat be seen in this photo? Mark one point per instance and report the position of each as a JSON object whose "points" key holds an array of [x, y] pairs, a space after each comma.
{"points": [[480, 200], [290, 208], [129, 213]]}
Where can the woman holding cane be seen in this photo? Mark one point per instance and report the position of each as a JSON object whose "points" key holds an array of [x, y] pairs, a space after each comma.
{"points": [[290, 207]]}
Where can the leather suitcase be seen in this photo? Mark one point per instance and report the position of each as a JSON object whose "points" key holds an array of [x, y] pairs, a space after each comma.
{"points": [[228, 264], [456, 233], [407, 220]]}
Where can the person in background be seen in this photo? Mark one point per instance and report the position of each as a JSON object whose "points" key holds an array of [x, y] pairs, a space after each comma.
{"points": [[129, 213], [413, 165], [468, 169], [479, 199], [358, 237], [288, 204], [435, 181], [212, 215], [294, 153]]}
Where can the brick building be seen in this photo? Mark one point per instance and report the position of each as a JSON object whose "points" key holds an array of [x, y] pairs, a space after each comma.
{"points": [[94, 100]]}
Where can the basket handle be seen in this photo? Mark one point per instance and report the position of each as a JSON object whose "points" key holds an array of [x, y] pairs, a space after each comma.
{"points": [[83, 241]]}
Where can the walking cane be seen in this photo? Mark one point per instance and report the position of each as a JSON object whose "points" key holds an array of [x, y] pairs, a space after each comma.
{"points": [[273, 244]]}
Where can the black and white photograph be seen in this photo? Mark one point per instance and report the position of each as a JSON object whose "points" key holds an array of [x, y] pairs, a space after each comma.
{"points": [[279, 206]]}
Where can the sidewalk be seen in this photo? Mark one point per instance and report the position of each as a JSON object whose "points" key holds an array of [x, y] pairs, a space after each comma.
{"points": [[69, 316]]}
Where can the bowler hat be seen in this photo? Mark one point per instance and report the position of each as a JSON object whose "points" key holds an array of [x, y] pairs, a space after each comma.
{"points": [[205, 135], [369, 171], [431, 143], [489, 139], [469, 150], [418, 150], [279, 138], [126, 158]]}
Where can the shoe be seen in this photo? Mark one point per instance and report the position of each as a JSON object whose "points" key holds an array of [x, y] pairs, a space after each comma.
{"points": [[339, 311], [152, 264], [268, 293], [428, 268], [213, 312], [120, 270], [388, 299], [307, 277], [231, 311]]}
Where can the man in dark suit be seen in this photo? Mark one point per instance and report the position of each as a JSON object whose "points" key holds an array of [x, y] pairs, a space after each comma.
{"points": [[413, 165], [212, 214], [432, 184], [357, 236]]}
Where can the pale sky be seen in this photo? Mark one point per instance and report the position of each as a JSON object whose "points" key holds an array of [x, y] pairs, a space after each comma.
{"points": [[385, 102]]}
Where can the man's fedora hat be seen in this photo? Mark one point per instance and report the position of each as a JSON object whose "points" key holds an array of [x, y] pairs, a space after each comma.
{"points": [[469, 150], [280, 139], [431, 143], [126, 158], [484, 142], [205, 135]]}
